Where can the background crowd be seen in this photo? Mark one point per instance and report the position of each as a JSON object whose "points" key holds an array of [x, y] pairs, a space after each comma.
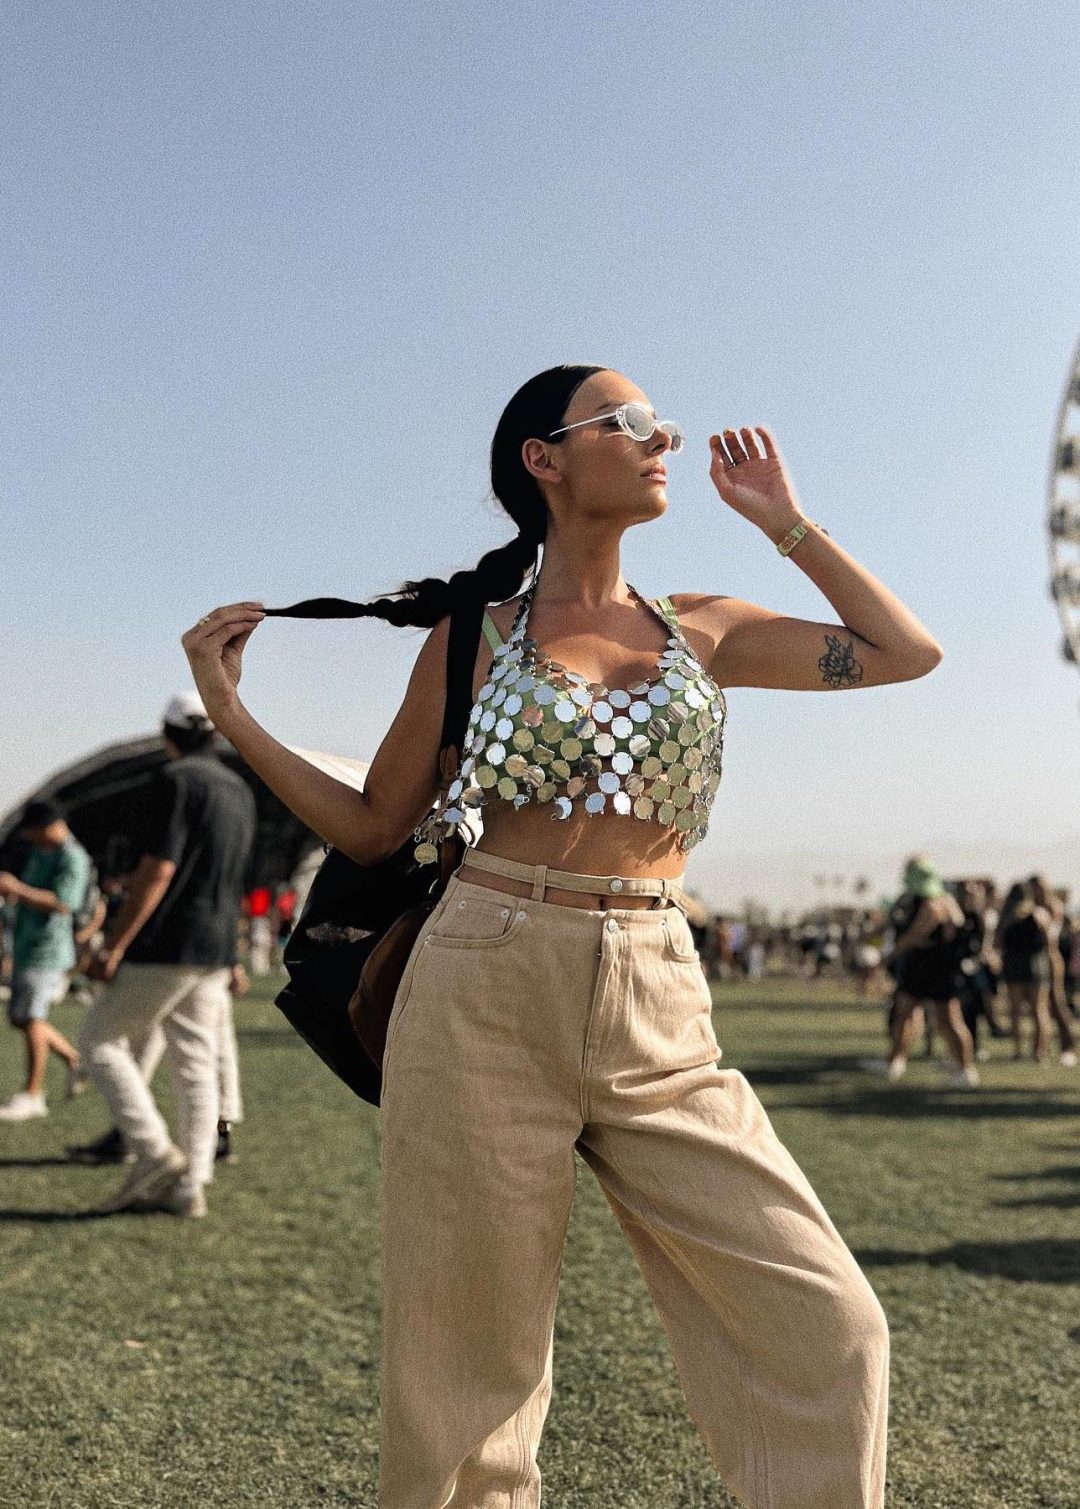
{"points": [[157, 955]]}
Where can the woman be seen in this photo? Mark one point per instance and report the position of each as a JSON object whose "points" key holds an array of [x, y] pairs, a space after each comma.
{"points": [[932, 947], [977, 983], [1026, 937], [554, 999]]}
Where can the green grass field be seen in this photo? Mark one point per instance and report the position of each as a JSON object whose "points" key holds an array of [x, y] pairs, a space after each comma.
{"points": [[233, 1361]]}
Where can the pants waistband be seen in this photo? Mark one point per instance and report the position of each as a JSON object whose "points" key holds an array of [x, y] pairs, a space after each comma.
{"points": [[540, 876]]}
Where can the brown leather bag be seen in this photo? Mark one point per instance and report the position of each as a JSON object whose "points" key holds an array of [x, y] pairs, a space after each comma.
{"points": [[373, 999]]}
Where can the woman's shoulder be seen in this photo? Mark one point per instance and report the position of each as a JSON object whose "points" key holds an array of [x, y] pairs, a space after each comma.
{"points": [[502, 614], [704, 605]]}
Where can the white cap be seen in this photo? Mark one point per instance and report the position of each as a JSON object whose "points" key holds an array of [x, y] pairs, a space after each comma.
{"points": [[186, 710]]}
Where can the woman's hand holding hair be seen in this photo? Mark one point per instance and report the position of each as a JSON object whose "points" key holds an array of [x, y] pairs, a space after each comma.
{"points": [[215, 648]]}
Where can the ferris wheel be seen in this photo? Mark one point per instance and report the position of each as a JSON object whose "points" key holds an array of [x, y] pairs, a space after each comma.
{"points": [[1063, 515]]}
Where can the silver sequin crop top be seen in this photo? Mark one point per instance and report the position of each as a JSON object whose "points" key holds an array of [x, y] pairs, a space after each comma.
{"points": [[541, 733]]}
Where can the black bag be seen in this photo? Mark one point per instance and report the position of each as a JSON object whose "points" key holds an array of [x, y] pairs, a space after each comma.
{"points": [[350, 907]]}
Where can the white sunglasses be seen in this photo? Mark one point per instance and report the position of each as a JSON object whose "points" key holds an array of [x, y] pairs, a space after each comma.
{"points": [[635, 420]]}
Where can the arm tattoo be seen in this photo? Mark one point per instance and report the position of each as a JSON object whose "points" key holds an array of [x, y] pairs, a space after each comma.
{"points": [[839, 667]]}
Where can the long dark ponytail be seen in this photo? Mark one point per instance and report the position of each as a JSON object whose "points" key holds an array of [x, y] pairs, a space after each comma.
{"points": [[536, 409]]}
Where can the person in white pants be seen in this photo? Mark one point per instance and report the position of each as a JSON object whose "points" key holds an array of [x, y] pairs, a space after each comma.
{"points": [[167, 959], [227, 1064]]}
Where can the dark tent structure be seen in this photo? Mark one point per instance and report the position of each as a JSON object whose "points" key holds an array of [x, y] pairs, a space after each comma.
{"points": [[106, 793]]}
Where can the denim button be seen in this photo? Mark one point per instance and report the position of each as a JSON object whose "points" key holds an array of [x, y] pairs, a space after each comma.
{"points": [[612, 925]]}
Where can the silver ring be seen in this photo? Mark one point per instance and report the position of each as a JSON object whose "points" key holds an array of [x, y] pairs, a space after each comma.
{"points": [[205, 620]]}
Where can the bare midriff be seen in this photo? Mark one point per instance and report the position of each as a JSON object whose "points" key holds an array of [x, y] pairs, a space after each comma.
{"points": [[582, 844]]}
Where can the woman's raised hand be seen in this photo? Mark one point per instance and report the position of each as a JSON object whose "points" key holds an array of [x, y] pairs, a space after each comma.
{"points": [[215, 647], [754, 485]]}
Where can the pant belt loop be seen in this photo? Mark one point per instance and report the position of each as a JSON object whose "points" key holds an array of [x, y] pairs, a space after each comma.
{"points": [[539, 882], [665, 892]]}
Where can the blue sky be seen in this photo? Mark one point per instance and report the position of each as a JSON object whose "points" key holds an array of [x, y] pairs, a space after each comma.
{"points": [[271, 272]]}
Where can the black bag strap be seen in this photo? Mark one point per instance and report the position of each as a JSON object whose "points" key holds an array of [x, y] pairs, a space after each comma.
{"points": [[466, 618]]}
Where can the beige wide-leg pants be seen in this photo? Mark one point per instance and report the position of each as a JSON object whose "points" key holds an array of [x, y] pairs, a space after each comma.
{"points": [[523, 1031]]}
